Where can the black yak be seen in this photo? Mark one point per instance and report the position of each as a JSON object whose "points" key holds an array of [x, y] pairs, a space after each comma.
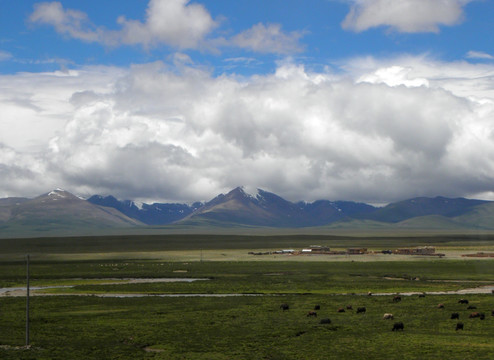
{"points": [[398, 326], [459, 326], [455, 316], [361, 310]]}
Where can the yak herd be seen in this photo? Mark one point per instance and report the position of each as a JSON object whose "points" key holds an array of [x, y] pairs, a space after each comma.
{"points": [[388, 316]]}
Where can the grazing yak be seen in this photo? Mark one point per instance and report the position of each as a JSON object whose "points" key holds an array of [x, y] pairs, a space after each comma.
{"points": [[455, 316], [492, 312], [421, 295], [440, 306], [463, 301], [397, 298], [388, 316], [341, 310], [312, 313], [349, 307], [459, 326], [398, 326], [361, 310], [471, 307], [325, 321], [284, 307], [473, 315], [317, 307]]}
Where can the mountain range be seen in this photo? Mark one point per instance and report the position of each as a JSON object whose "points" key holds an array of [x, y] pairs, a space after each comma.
{"points": [[61, 211]]}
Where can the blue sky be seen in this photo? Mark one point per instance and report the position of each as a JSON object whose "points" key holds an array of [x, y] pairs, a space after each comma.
{"points": [[176, 100], [37, 46]]}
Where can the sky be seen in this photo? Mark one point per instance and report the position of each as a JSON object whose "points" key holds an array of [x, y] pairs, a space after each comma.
{"points": [[177, 101]]}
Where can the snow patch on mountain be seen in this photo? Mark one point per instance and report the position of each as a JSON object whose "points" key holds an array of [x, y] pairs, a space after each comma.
{"points": [[250, 191], [57, 193], [137, 204]]}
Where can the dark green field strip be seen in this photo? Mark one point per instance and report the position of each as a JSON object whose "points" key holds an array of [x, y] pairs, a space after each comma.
{"points": [[246, 328], [146, 243], [247, 285], [261, 274]]}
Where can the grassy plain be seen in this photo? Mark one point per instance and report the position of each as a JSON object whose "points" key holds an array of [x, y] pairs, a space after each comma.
{"points": [[251, 326]]}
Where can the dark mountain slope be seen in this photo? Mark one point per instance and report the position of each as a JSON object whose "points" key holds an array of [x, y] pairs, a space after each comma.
{"points": [[154, 214], [268, 209], [61, 209]]}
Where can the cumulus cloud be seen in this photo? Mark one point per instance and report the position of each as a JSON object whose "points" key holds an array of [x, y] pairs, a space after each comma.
{"points": [[35, 106], [383, 130], [72, 23], [180, 24], [177, 23], [408, 16], [22, 173]]}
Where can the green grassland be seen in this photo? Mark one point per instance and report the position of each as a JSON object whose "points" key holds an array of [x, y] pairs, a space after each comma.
{"points": [[245, 328], [252, 325]]}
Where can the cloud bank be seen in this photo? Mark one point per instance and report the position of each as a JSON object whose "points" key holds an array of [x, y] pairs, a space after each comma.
{"points": [[380, 131]]}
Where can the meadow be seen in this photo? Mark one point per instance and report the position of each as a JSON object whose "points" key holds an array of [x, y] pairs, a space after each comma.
{"points": [[87, 321]]}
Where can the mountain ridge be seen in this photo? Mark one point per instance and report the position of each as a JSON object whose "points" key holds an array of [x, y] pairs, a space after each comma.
{"points": [[59, 209]]}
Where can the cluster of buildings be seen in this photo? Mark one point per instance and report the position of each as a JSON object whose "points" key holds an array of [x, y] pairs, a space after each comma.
{"points": [[481, 255], [425, 250], [324, 250]]}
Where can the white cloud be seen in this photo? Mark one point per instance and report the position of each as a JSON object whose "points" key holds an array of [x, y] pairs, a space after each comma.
{"points": [[4, 55], [384, 130], [409, 16], [479, 55], [22, 173], [35, 106], [393, 76], [269, 39], [177, 23], [180, 24], [68, 22]]}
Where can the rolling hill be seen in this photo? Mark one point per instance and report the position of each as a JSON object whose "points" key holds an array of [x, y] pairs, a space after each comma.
{"points": [[59, 210]]}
